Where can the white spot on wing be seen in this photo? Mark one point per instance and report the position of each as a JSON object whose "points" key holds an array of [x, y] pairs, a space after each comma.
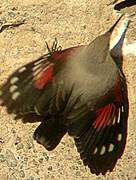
{"points": [[22, 69], [119, 137], [103, 149], [38, 72], [39, 62], [15, 95], [14, 80], [36, 110], [114, 120], [122, 108], [118, 121], [95, 151], [111, 147], [36, 63], [12, 88], [36, 67]]}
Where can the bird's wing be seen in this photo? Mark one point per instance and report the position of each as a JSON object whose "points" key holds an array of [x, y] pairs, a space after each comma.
{"points": [[29, 88], [100, 136]]}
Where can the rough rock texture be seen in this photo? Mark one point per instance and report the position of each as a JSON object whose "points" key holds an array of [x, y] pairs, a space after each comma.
{"points": [[24, 27]]}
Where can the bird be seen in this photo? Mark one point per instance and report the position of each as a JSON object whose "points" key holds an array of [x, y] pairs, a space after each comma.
{"points": [[80, 91]]}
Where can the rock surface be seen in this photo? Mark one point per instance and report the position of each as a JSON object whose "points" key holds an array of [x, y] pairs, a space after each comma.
{"points": [[24, 28]]}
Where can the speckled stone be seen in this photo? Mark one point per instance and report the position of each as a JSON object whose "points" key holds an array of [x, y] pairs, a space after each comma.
{"points": [[72, 22], [10, 158], [2, 158]]}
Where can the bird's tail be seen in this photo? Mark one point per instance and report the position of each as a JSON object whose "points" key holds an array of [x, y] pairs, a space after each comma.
{"points": [[49, 133]]}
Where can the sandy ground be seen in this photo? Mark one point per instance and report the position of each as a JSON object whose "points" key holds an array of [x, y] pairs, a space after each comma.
{"points": [[73, 22]]}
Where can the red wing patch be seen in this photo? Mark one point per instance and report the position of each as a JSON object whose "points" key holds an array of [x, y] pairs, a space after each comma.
{"points": [[105, 116], [103, 141], [23, 89], [43, 77]]}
